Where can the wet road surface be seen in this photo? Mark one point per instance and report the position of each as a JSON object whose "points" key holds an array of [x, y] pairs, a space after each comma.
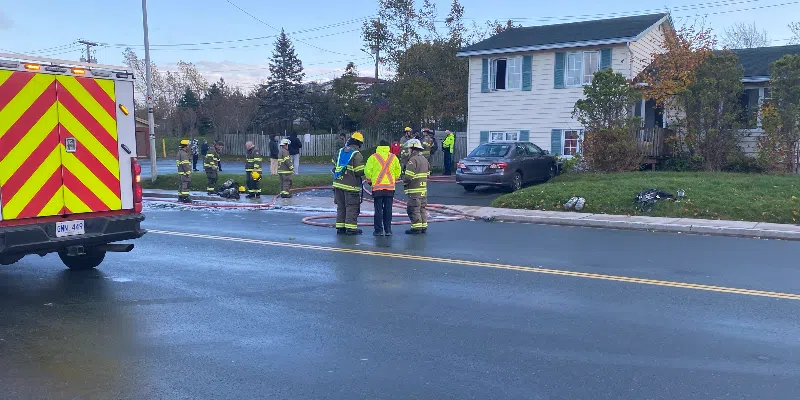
{"points": [[167, 166], [490, 311]]}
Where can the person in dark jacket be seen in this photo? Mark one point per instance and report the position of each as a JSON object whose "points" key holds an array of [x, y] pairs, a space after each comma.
{"points": [[274, 150], [204, 149], [294, 150]]}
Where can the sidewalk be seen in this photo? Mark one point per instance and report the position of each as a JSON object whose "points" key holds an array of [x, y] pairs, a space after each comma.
{"points": [[314, 201], [656, 224]]}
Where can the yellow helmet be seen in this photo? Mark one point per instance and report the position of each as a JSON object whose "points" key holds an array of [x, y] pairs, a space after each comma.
{"points": [[256, 176], [242, 188], [358, 136], [185, 142], [408, 129]]}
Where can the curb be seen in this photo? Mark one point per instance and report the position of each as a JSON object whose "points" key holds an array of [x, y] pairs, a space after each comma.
{"points": [[652, 227]]}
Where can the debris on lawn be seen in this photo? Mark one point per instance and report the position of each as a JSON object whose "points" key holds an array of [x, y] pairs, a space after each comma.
{"points": [[648, 198], [681, 193], [577, 202]]}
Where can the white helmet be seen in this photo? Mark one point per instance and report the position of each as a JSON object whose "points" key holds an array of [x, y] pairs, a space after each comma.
{"points": [[285, 142], [414, 144]]}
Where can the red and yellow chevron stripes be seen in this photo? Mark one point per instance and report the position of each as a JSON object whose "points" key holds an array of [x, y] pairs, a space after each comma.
{"points": [[38, 177]]}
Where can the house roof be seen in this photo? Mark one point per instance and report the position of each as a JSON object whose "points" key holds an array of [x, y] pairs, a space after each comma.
{"points": [[144, 122], [756, 62], [575, 34]]}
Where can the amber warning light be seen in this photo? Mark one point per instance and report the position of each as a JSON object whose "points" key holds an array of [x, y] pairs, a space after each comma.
{"points": [[33, 67], [78, 71]]}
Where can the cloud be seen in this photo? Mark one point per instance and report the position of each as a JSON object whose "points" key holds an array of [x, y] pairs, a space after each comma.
{"points": [[5, 22]]}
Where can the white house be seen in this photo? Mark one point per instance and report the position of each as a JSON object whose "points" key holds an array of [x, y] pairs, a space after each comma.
{"points": [[524, 82]]}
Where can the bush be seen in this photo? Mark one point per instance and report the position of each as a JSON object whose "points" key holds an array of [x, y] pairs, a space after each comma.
{"points": [[744, 164], [683, 164], [611, 150]]}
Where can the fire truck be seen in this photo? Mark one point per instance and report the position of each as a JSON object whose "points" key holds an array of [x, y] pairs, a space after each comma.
{"points": [[69, 178]]}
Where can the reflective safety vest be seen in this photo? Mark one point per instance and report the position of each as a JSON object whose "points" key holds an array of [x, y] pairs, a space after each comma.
{"points": [[183, 162], [385, 180], [348, 171]]}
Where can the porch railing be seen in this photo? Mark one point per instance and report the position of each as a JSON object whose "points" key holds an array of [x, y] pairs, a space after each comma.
{"points": [[650, 142]]}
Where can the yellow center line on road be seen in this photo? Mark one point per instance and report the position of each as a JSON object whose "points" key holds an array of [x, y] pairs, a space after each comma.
{"points": [[539, 270]]}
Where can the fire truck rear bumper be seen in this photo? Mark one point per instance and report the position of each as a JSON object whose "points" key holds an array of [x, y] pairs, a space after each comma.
{"points": [[40, 238]]}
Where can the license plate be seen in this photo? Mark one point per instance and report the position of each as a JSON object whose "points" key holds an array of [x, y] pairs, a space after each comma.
{"points": [[477, 168], [70, 228]]}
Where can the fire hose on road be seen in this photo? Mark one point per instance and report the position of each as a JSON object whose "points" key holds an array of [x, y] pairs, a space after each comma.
{"points": [[446, 214]]}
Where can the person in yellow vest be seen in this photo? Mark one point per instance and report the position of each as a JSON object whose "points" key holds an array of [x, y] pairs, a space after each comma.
{"points": [[252, 168], [213, 164], [382, 171], [448, 145], [348, 172], [285, 169], [184, 163], [415, 180]]}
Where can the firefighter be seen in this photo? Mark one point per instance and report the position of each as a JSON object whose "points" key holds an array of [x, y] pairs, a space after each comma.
{"points": [[405, 153], [427, 144], [347, 178], [285, 169], [415, 180], [213, 165], [253, 171], [184, 162]]}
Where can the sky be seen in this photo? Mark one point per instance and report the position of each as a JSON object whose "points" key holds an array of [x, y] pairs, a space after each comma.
{"points": [[222, 40]]}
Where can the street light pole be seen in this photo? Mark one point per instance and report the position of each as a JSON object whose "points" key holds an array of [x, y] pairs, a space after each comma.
{"points": [[149, 80]]}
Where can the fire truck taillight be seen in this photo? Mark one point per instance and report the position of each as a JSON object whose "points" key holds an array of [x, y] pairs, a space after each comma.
{"points": [[136, 171]]}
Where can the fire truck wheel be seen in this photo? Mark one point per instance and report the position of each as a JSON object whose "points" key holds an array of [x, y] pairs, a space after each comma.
{"points": [[90, 260]]}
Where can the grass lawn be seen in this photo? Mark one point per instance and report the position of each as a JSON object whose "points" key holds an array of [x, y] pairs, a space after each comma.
{"points": [[269, 183], [741, 197]]}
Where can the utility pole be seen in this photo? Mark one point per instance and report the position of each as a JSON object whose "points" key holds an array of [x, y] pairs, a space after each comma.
{"points": [[377, 51], [149, 80], [89, 46]]}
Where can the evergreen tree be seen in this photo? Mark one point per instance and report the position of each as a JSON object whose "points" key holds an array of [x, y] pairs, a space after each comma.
{"points": [[189, 100], [282, 97]]}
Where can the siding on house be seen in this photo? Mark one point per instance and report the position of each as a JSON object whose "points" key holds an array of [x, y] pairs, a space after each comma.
{"points": [[540, 110], [643, 49]]}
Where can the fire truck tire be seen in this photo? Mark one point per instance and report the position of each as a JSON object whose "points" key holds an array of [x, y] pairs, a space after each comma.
{"points": [[90, 260]]}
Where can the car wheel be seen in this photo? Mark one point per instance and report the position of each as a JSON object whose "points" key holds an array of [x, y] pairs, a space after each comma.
{"points": [[553, 172], [470, 188], [516, 182], [91, 259]]}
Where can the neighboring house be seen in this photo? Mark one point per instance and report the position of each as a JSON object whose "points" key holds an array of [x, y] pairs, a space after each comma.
{"points": [[756, 63], [524, 82]]}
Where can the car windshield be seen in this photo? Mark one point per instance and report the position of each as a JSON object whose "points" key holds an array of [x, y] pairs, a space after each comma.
{"points": [[491, 150]]}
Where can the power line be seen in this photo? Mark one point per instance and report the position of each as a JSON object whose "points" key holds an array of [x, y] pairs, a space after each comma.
{"points": [[266, 68], [306, 43], [751, 8]]}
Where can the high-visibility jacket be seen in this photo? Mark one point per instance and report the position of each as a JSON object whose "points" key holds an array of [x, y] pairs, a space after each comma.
{"points": [[212, 161], [382, 169], [253, 160], [448, 142], [285, 165], [184, 162], [416, 176], [348, 170]]}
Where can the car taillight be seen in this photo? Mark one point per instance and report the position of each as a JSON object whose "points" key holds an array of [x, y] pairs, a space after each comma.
{"points": [[461, 165], [498, 165], [136, 172]]}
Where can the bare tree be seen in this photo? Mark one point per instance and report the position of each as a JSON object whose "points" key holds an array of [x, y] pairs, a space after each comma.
{"points": [[795, 27], [745, 36]]}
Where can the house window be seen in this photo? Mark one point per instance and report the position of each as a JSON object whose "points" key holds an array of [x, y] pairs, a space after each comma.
{"points": [[571, 139], [581, 67], [506, 73], [504, 135]]}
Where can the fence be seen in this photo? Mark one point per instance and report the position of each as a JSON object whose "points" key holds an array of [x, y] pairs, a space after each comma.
{"points": [[328, 144]]}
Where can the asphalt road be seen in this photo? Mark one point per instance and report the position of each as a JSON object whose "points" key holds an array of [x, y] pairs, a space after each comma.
{"points": [[496, 311]]}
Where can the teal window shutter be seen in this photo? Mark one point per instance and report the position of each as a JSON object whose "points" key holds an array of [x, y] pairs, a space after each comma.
{"points": [[555, 142], [605, 59], [558, 76], [524, 136], [485, 76], [484, 137], [527, 73]]}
